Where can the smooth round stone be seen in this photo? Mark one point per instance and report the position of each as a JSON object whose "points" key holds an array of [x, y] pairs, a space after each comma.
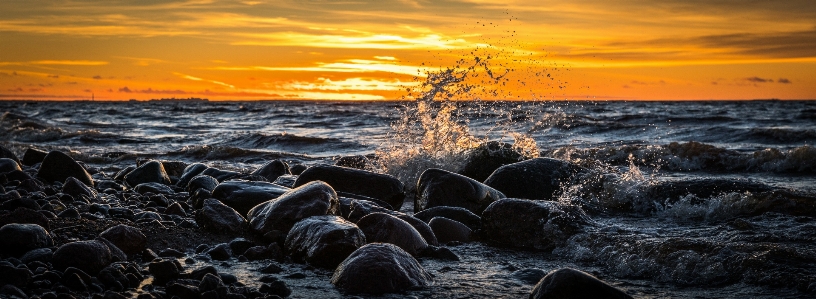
{"points": [[533, 224], [343, 179], [539, 178], [384, 228], [272, 170], [88, 256], [379, 268], [8, 165], [447, 230], [280, 214], [19, 238], [150, 172], [216, 216], [462, 215], [437, 187], [202, 182], [323, 241], [244, 195], [57, 166], [569, 283], [129, 239]]}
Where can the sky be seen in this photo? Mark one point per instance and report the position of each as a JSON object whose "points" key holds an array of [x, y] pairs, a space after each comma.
{"points": [[375, 50]]}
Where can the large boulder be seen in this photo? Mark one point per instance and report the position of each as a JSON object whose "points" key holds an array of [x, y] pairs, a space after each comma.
{"points": [[244, 195], [569, 283], [538, 178], [323, 241], [190, 172], [57, 166], [462, 215], [531, 224], [88, 256], [202, 182], [280, 214], [384, 228], [488, 157], [129, 239], [75, 188], [447, 230], [8, 165], [379, 186], [33, 156], [379, 268], [216, 216], [437, 187], [272, 170], [150, 172], [6, 153], [17, 238]]}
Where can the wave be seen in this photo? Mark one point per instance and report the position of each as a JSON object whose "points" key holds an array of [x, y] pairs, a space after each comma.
{"points": [[291, 142]]}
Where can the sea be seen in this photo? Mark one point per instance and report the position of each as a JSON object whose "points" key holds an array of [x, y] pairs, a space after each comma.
{"points": [[725, 245]]}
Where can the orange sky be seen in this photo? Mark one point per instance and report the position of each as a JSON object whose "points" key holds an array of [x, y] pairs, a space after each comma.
{"points": [[366, 50]]}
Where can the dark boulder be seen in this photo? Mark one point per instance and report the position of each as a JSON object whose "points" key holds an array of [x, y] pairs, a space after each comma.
{"points": [[33, 156], [155, 188], [272, 170], [42, 254], [532, 224], [568, 283], [220, 252], [24, 215], [384, 228], [280, 214], [297, 169], [8, 165], [57, 166], [75, 188], [190, 172], [18, 238], [129, 239], [323, 241], [380, 186], [447, 230], [379, 268], [218, 217], [174, 168], [488, 157], [422, 227], [150, 172], [120, 175], [10, 275], [220, 175], [244, 195], [6, 153], [358, 161], [88, 256], [437, 188], [539, 178], [163, 271], [462, 215], [202, 182]]}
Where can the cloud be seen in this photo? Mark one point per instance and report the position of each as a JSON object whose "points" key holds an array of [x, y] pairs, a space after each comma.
{"points": [[342, 66], [125, 89], [758, 80], [53, 76], [784, 81], [97, 77], [188, 77], [325, 84]]}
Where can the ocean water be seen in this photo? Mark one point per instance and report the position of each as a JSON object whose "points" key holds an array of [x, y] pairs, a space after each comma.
{"points": [[733, 243]]}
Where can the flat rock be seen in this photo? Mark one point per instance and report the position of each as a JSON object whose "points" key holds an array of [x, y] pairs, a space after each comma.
{"points": [[244, 195], [380, 268], [153, 187], [384, 228], [323, 241], [19, 238], [569, 283], [532, 224], [88, 256], [437, 187], [150, 172], [216, 216], [538, 178], [129, 239], [57, 166], [280, 214], [380, 186]]}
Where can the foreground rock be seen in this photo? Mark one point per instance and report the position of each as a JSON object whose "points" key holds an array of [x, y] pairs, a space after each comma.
{"points": [[379, 268], [280, 214], [569, 283], [6, 153], [17, 239], [57, 166], [76, 188], [384, 228], [129, 239], [379, 186], [323, 241], [462, 215], [447, 230], [244, 195], [437, 187], [33, 156], [88, 256], [216, 216], [531, 224], [150, 172], [272, 170], [538, 178], [8, 165], [487, 157]]}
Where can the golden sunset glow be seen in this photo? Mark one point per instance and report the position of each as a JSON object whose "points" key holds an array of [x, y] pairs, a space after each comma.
{"points": [[373, 50]]}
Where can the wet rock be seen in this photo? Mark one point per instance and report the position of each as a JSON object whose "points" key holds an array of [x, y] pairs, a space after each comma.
{"points": [[379, 268], [155, 188], [129, 239], [69, 214], [276, 288], [202, 182], [462, 215], [440, 253], [272, 170], [190, 172], [11, 291], [529, 275], [280, 214], [57, 166], [488, 157], [175, 209], [220, 175], [239, 245], [150, 172], [297, 169], [163, 271], [379, 227], [423, 228], [41, 254], [447, 230], [8, 165], [220, 252], [171, 252], [174, 168], [323, 241], [24, 215], [88, 256], [17, 238], [210, 282], [569, 283], [244, 195], [380, 186], [437, 187], [76, 188], [108, 184], [533, 224], [538, 178], [33, 156], [357, 209], [120, 175], [358, 162], [14, 276], [117, 255], [271, 269], [6, 153], [216, 216]]}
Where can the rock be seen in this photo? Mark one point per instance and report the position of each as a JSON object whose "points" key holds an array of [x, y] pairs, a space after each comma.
{"points": [[24, 215], [538, 178], [57, 166], [178, 289], [120, 175], [323, 241], [286, 180], [532, 224], [447, 230], [42, 254], [244, 195], [220, 252], [88, 256], [174, 168], [297, 169], [379, 227], [272, 170], [273, 252], [276, 288], [117, 255], [210, 282], [190, 172], [171, 252], [6, 153], [239, 245], [10, 275], [202, 182], [358, 162], [380, 186], [150, 172], [155, 188], [529, 275], [573, 284], [462, 215], [360, 208], [18, 238], [108, 184], [437, 187], [163, 271], [76, 188], [422, 228], [11, 291], [488, 157], [313, 199], [379, 268], [216, 216], [8, 165], [220, 175], [33, 156], [129, 239]]}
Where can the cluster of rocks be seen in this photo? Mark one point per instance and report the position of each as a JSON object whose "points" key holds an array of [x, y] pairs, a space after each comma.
{"points": [[328, 216]]}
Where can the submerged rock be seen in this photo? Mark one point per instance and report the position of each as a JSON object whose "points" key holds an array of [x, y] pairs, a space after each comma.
{"points": [[380, 186], [280, 214], [272, 170], [538, 178], [244, 195], [569, 283], [323, 241], [384, 228], [17, 239], [532, 224], [379, 268], [437, 187], [57, 166], [150, 172]]}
